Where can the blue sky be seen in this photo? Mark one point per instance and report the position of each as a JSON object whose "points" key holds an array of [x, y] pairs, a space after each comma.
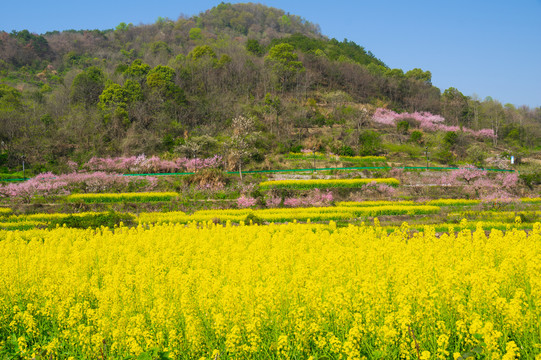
{"points": [[486, 48]]}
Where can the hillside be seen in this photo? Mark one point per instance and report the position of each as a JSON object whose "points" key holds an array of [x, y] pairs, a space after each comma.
{"points": [[173, 88]]}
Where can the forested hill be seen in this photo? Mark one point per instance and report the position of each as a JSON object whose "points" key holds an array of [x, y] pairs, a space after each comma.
{"points": [[153, 88]]}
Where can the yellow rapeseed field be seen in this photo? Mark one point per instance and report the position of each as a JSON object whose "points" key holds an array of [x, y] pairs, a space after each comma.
{"points": [[295, 291]]}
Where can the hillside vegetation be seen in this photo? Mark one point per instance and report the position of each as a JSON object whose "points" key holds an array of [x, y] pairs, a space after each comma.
{"points": [[244, 81]]}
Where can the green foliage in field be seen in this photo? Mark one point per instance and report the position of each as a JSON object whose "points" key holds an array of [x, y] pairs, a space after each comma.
{"points": [[110, 220]]}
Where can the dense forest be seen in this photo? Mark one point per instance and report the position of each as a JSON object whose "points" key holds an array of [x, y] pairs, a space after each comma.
{"points": [[176, 86]]}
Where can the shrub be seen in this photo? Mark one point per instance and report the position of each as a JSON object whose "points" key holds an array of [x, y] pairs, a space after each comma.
{"points": [[416, 136], [370, 143], [531, 175], [252, 219], [402, 127], [450, 138], [110, 220], [346, 151], [208, 179], [446, 157], [476, 155]]}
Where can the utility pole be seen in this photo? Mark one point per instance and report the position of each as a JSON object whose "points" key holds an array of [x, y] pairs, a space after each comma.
{"points": [[426, 153], [24, 173]]}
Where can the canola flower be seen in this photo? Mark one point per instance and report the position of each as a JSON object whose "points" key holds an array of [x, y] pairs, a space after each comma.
{"points": [[21, 225], [5, 211], [287, 214], [325, 183], [290, 291], [502, 216], [43, 217], [121, 197], [453, 202], [376, 203]]}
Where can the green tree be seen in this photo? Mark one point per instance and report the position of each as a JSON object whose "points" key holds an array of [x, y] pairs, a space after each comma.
{"points": [[195, 33], [284, 63], [273, 105], [87, 86], [138, 70], [202, 51], [11, 109], [161, 80], [114, 95], [369, 143], [419, 74], [253, 46], [455, 106], [160, 48]]}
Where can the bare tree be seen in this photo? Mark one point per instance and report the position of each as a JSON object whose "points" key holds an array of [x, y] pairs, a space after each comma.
{"points": [[242, 139]]}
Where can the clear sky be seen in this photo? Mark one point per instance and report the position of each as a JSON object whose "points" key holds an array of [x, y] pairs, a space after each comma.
{"points": [[481, 47]]}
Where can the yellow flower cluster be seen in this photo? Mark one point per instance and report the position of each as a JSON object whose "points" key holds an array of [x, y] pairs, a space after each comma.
{"points": [[21, 225], [287, 214], [467, 225], [531, 200], [123, 197], [43, 217], [324, 184], [5, 211], [504, 216], [282, 291], [377, 203], [453, 202]]}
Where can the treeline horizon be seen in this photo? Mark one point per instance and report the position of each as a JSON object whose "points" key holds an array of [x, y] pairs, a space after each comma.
{"points": [[152, 89]]}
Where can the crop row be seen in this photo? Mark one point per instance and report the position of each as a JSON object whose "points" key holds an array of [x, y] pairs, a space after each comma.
{"points": [[286, 215], [129, 197], [471, 226], [324, 183], [435, 202]]}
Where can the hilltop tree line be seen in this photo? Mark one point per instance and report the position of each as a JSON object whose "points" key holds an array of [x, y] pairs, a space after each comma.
{"points": [[153, 88]]}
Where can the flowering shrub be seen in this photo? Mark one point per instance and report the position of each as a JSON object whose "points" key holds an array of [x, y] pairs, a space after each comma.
{"points": [[498, 200], [314, 198], [509, 180], [467, 174], [49, 184], [273, 201], [427, 122], [46, 184], [142, 164], [380, 189], [477, 183], [246, 202]]}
